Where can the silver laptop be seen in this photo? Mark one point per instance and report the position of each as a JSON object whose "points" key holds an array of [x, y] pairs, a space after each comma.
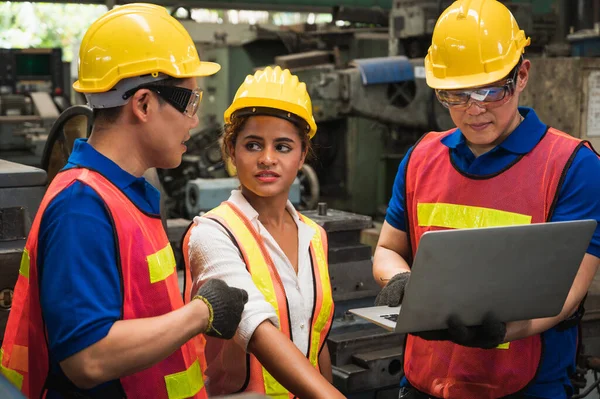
{"points": [[517, 272]]}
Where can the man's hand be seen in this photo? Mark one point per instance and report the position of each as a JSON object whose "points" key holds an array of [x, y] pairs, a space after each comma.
{"points": [[393, 292], [488, 335], [225, 305]]}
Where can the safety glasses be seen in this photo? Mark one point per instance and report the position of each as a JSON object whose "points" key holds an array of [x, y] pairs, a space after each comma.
{"points": [[183, 100], [489, 96]]}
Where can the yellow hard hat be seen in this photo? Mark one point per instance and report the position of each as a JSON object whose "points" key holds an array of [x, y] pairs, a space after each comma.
{"points": [[474, 43], [270, 91], [134, 40]]}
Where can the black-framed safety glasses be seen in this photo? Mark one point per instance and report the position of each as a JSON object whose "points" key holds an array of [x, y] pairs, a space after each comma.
{"points": [[489, 96], [182, 99]]}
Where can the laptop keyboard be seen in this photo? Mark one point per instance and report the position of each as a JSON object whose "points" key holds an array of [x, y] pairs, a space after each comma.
{"points": [[391, 317]]}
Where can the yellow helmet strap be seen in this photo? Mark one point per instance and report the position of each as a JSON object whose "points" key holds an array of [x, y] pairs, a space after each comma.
{"points": [[114, 97], [278, 113]]}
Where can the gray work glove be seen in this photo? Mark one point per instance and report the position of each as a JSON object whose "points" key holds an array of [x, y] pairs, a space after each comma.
{"points": [[488, 335], [225, 305], [393, 292]]}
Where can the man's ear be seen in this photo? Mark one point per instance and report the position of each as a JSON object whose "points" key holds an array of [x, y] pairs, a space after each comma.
{"points": [[523, 75], [141, 103]]}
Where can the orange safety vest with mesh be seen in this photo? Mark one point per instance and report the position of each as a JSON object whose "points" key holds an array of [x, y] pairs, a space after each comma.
{"points": [[150, 288], [266, 278], [439, 197]]}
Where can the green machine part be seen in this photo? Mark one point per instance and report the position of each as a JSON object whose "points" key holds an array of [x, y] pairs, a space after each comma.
{"points": [[349, 150], [366, 169], [237, 61], [538, 6]]}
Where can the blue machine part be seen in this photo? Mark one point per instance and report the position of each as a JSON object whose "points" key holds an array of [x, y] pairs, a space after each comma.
{"points": [[385, 70], [585, 46], [202, 195]]}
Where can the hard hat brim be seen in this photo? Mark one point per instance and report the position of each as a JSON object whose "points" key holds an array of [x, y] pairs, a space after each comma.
{"points": [[466, 81], [204, 69], [276, 104]]}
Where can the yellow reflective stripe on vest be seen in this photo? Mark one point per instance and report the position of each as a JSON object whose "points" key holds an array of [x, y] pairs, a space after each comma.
{"points": [[19, 358], [24, 269], [14, 377], [161, 264], [273, 389], [185, 384], [327, 301], [261, 277], [466, 217]]}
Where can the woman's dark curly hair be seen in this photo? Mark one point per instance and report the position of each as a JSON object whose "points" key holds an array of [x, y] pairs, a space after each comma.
{"points": [[231, 131]]}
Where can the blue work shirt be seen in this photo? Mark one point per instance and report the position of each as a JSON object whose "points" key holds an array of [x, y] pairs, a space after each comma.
{"points": [[80, 283], [578, 199]]}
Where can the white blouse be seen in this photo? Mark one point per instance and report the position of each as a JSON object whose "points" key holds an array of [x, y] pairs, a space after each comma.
{"points": [[211, 247]]}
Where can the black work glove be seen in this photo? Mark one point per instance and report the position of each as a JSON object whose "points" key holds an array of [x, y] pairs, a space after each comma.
{"points": [[488, 335], [225, 305], [393, 292]]}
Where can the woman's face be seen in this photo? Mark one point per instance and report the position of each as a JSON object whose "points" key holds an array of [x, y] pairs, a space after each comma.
{"points": [[268, 154]]}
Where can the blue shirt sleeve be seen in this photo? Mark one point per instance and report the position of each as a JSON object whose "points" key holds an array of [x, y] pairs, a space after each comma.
{"points": [[80, 283], [579, 196], [395, 211]]}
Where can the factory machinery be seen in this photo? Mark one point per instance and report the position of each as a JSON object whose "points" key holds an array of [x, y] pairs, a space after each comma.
{"points": [[367, 85], [371, 103], [32, 95]]}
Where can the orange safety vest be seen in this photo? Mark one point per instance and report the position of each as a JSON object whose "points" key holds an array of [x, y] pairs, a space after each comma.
{"points": [[150, 288], [439, 197], [267, 280]]}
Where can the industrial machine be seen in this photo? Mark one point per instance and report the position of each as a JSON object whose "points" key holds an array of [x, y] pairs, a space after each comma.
{"points": [[201, 182], [382, 101], [21, 190], [359, 95], [31, 99], [366, 359], [371, 89], [239, 49], [32, 95], [564, 92], [411, 25], [367, 85]]}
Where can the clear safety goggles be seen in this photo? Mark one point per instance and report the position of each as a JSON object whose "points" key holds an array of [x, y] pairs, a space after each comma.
{"points": [[489, 96], [182, 99]]}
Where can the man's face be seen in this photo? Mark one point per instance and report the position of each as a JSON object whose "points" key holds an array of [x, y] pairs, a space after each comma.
{"points": [[489, 123], [167, 129]]}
